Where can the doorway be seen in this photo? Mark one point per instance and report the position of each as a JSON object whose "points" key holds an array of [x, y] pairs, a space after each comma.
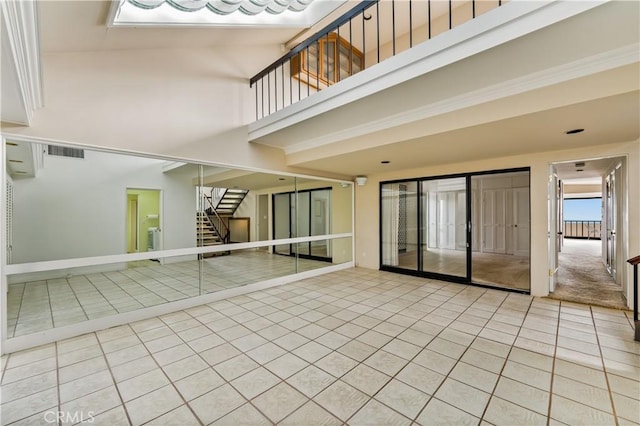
{"points": [[587, 201], [143, 218]]}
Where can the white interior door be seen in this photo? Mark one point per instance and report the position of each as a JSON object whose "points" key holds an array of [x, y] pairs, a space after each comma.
{"points": [[432, 211], [461, 220], [488, 221], [521, 225], [494, 220]]}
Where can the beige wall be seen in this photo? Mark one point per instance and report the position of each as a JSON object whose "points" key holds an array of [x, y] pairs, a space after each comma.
{"points": [[192, 104], [367, 208]]}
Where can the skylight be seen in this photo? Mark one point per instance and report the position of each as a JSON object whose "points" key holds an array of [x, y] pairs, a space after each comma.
{"points": [[280, 13]]}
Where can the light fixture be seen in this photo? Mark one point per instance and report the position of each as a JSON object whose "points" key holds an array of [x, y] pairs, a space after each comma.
{"points": [[385, 162], [580, 164], [361, 180], [574, 131], [345, 184]]}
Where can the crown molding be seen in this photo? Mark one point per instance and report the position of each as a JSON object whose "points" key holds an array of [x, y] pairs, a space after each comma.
{"points": [[21, 55]]}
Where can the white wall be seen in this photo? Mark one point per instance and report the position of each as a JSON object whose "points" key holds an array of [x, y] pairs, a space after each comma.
{"points": [[367, 210], [77, 207]]}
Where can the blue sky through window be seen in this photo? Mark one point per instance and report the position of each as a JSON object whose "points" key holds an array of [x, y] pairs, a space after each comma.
{"points": [[583, 209]]}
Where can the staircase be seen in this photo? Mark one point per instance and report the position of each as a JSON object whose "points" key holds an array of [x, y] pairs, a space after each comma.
{"points": [[229, 200], [212, 224], [206, 233]]}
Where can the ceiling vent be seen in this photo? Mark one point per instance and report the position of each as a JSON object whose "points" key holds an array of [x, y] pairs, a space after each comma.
{"points": [[581, 164], [63, 151]]}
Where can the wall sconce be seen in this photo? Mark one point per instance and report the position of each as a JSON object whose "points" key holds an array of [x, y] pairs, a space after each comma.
{"points": [[361, 180]]}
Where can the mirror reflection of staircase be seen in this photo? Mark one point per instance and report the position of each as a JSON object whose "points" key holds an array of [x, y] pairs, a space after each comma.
{"points": [[212, 223]]}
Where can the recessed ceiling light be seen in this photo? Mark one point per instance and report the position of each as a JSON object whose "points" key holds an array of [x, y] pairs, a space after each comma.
{"points": [[385, 162], [579, 170], [574, 131]]}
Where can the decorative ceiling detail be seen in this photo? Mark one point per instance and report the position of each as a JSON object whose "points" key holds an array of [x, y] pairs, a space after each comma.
{"points": [[226, 7]]}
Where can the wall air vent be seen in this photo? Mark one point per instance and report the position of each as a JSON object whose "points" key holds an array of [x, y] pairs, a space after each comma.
{"points": [[63, 151]]}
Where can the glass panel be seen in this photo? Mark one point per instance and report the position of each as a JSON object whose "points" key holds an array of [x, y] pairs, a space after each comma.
{"points": [[400, 225], [320, 221], [329, 60], [500, 238], [444, 218], [302, 224], [312, 57], [281, 221], [345, 60]]}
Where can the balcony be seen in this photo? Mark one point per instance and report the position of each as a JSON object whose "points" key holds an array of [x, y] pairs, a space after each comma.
{"points": [[369, 33], [512, 57]]}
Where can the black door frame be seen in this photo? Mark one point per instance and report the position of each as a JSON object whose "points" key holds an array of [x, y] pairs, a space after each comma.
{"points": [[468, 279]]}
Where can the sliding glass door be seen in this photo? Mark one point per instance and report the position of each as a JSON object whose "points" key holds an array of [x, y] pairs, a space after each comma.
{"points": [[469, 228], [444, 226]]}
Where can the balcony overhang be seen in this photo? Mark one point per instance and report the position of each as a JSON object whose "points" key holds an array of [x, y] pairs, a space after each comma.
{"points": [[356, 106]]}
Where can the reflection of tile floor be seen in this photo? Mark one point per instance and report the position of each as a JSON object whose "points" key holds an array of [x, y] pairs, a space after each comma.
{"points": [[355, 347], [41, 305]]}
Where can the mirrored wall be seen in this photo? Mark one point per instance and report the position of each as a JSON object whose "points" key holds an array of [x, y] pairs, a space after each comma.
{"points": [[94, 234], [468, 228]]}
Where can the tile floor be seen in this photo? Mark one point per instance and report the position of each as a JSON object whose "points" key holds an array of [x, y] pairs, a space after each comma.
{"points": [[41, 305], [352, 347]]}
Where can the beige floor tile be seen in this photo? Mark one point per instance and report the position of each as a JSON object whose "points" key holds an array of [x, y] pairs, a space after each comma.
{"points": [[246, 415], [440, 413], [375, 413], [235, 367], [85, 385], [474, 376], [357, 350], [528, 375], [458, 394], [571, 412], [311, 352], [405, 399], [421, 378], [625, 386], [501, 412], [336, 364], [255, 382], [133, 368], [198, 384], [114, 416], [341, 400], [627, 408], [286, 365], [152, 405], [29, 386], [310, 414], [279, 401], [217, 403], [332, 340], [521, 394], [585, 394], [96, 403], [219, 354], [366, 379], [141, 385], [311, 381], [185, 367], [25, 407]]}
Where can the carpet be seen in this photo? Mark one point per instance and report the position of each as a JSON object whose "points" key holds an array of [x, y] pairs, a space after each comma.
{"points": [[583, 277]]}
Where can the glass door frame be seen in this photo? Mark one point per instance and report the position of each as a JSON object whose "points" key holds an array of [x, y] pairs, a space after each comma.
{"points": [[468, 279], [293, 247]]}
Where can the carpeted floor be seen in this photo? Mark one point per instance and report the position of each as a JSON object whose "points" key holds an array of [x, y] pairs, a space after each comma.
{"points": [[583, 277]]}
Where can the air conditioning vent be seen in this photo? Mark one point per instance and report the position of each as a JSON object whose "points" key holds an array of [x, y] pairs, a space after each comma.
{"points": [[63, 151]]}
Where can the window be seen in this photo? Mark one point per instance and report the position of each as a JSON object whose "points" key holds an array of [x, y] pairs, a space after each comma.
{"points": [[316, 65]]}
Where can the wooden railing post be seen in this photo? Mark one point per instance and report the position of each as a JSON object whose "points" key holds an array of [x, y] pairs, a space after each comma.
{"points": [[634, 261]]}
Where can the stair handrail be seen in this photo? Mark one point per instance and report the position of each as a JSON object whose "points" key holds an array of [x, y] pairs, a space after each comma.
{"points": [[634, 261], [217, 194], [226, 235]]}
